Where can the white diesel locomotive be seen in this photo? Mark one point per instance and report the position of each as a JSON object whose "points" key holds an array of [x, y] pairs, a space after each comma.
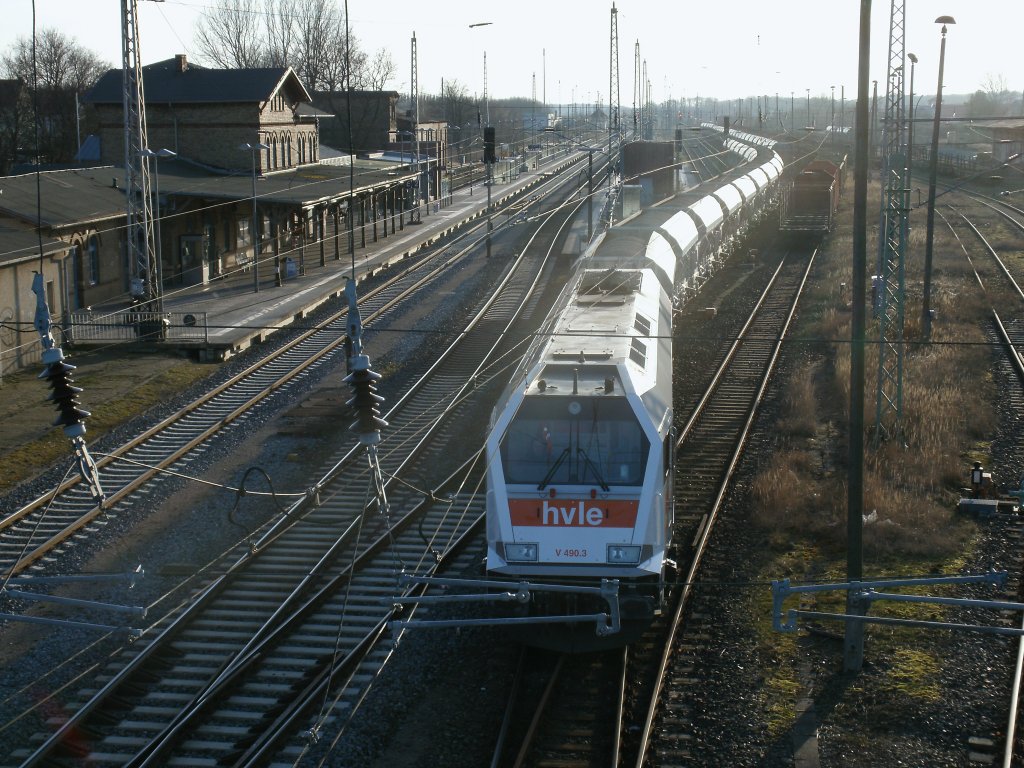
{"points": [[579, 454]]}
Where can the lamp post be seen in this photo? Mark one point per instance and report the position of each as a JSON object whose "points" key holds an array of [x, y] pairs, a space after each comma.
{"points": [[910, 120], [407, 187], [792, 112], [147, 152], [933, 167], [832, 121], [253, 149], [808, 107], [842, 108]]}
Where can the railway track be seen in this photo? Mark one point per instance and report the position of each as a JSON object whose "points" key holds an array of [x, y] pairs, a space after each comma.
{"points": [[31, 533], [600, 709], [229, 678], [564, 710], [708, 450], [1008, 337]]}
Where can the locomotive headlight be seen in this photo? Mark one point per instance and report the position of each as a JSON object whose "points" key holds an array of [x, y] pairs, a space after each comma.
{"points": [[521, 552], [624, 553]]}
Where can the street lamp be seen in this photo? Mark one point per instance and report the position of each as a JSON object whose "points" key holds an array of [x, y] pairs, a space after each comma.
{"points": [[910, 120], [933, 167], [808, 107], [832, 122], [842, 108], [147, 152], [255, 234]]}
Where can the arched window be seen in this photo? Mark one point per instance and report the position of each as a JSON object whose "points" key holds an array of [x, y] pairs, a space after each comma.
{"points": [[313, 155], [92, 259]]}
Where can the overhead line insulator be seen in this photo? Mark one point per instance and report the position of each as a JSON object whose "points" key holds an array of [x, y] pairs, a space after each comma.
{"points": [[365, 400]]}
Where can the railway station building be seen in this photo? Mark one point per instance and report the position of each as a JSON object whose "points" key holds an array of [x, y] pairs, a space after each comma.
{"points": [[311, 201]]}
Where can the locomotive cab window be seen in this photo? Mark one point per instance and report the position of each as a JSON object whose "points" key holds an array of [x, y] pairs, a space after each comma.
{"points": [[574, 440]]}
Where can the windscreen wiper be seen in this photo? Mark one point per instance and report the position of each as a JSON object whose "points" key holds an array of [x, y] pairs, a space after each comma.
{"points": [[594, 469], [554, 468]]}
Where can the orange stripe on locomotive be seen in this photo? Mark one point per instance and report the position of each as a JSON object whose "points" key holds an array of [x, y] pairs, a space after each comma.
{"points": [[573, 513]]}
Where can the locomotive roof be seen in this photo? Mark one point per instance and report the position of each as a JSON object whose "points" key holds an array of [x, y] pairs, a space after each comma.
{"points": [[564, 379], [609, 310]]}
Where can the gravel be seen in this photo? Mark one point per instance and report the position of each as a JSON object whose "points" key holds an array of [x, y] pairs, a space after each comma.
{"points": [[438, 700]]}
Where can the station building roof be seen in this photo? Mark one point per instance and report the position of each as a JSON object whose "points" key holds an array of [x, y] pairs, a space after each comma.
{"points": [[86, 195]]}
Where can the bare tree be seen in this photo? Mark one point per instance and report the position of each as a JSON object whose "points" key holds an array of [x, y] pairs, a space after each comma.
{"points": [[322, 44], [63, 70], [282, 32], [230, 33], [456, 106], [61, 62], [308, 35], [373, 74], [1002, 98], [993, 99], [15, 121]]}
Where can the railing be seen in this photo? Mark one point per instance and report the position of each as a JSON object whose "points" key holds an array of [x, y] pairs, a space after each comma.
{"points": [[88, 326]]}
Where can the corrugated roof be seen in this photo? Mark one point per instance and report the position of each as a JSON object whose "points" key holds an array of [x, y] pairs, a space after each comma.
{"points": [[166, 83], [304, 109], [20, 243], [81, 196], [1009, 122], [67, 197]]}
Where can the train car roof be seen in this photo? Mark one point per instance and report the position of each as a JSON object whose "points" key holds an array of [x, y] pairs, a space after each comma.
{"points": [[771, 171], [729, 197], [747, 187], [743, 150], [708, 211], [825, 166], [759, 177], [662, 258], [682, 229]]}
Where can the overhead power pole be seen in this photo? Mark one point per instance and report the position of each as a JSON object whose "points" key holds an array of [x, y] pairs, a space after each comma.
{"points": [[892, 244], [636, 91], [613, 94], [414, 94], [144, 283]]}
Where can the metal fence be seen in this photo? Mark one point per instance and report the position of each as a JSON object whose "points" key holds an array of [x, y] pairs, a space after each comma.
{"points": [[88, 326]]}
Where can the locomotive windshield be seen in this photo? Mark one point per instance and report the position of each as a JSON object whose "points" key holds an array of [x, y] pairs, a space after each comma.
{"points": [[579, 440]]}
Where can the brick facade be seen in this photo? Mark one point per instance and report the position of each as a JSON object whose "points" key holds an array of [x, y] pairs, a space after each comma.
{"points": [[374, 119], [211, 133]]}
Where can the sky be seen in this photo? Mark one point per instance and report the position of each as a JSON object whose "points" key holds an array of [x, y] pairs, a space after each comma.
{"points": [[723, 50]]}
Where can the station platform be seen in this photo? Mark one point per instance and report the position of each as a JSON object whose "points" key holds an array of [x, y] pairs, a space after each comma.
{"points": [[228, 315]]}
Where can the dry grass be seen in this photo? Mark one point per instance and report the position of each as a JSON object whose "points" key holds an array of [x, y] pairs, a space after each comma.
{"points": [[799, 417], [911, 482], [24, 460]]}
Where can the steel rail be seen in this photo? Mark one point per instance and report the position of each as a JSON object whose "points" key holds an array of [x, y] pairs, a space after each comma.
{"points": [[703, 536], [379, 301], [992, 252], [274, 535]]}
